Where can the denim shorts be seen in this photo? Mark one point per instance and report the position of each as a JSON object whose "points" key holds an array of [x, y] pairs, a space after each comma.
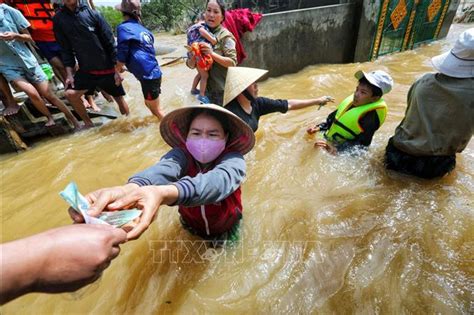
{"points": [[33, 75]]}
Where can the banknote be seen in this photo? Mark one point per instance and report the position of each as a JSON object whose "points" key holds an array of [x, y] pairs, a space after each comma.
{"points": [[79, 203]]}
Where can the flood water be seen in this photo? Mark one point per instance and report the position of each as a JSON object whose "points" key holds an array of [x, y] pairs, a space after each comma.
{"points": [[320, 234]]}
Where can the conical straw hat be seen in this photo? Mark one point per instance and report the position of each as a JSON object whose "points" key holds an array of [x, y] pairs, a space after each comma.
{"points": [[238, 79], [175, 125]]}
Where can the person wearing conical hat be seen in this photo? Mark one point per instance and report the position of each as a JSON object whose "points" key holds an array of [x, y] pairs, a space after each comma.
{"points": [[241, 97], [358, 116], [202, 174], [439, 119]]}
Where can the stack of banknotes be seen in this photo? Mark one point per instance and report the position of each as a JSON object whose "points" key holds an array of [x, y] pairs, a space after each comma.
{"points": [[79, 203]]}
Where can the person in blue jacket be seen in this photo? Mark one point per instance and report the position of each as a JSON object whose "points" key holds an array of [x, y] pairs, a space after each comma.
{"points": [[135, 50]]}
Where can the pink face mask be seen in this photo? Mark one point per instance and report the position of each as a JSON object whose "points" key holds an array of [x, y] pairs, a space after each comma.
{"points": [[205, 150]]}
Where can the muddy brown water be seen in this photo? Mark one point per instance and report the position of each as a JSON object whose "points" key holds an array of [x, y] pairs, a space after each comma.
{"points": [[321, 234]]}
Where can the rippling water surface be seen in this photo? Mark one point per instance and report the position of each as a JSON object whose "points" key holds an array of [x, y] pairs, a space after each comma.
{"points": [[321, 234]]}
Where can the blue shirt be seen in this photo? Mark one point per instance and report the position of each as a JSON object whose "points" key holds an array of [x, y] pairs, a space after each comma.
{"points": [[194, 35], [14, 53], [135, 49]]}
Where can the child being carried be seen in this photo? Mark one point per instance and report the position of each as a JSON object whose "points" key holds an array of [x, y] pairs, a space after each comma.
{"points": [[199, 35]]}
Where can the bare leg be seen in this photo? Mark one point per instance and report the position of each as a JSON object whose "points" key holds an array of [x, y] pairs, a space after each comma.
{"points": [[11, 107], [45, 91], [107, 96], [58, 68], [196, 80], [88, 101], [74, 97], [122, 104], [35, 98], [203, 83], [154, 106]]}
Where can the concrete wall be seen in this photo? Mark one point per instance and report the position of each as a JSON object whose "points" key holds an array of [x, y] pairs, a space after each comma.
{"points": [[289, 41], [368, 19], [271, 6], [448, 19], [369, 14]]}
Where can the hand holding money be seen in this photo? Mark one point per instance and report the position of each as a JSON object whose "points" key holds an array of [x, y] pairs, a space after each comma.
{"points": [[82, 211], [147, 198], [115, 199]]}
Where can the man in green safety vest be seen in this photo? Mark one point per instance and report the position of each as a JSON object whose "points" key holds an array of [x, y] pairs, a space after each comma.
{"points": [[356, 119]]}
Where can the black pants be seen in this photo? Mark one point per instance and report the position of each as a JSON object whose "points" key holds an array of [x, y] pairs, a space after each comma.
{"points": [[420, 166]]}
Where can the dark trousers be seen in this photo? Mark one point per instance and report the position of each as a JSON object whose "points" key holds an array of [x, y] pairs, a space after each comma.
{"points": [[420, 166]]}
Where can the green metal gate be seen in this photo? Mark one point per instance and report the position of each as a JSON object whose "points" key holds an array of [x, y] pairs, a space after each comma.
{"points": [[405, 24]]}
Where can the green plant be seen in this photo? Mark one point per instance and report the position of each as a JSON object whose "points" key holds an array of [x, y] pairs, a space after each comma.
{"points": [[112, 16], [169, 14]]}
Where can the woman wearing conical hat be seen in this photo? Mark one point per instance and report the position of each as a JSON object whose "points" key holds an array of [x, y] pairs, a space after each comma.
{"points": [[241, 97], [202, 174]]}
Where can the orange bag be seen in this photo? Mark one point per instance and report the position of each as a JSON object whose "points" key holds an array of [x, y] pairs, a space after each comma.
{"points": [[204, 61]]}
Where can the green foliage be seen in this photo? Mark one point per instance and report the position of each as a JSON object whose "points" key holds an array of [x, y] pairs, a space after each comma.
{"points": [[112, 16], [169, 14]]}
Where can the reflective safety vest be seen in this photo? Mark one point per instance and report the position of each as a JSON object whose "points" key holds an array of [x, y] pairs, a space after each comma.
{"points": [[346, 123], [40, 15], [211, 219]]}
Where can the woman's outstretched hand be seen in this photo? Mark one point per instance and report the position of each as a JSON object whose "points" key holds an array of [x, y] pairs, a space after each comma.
{"points": [[146, 198], [100, 201]]}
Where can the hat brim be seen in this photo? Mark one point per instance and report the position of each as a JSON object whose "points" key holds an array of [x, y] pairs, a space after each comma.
{"points": [[238, 79], [361, 74], [175, 125], [452, 66]]}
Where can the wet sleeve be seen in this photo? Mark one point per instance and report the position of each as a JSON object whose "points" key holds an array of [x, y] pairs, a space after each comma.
{"points": [[329, 120], [167, 171], [369, 124], [229, 49], [215, 185], [107, 37], [67, 53], [266, 106], [123, 44]]}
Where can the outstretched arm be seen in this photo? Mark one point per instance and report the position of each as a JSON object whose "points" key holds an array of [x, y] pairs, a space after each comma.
{"points": [[214, 185], [59, 260], [294, 104]]}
